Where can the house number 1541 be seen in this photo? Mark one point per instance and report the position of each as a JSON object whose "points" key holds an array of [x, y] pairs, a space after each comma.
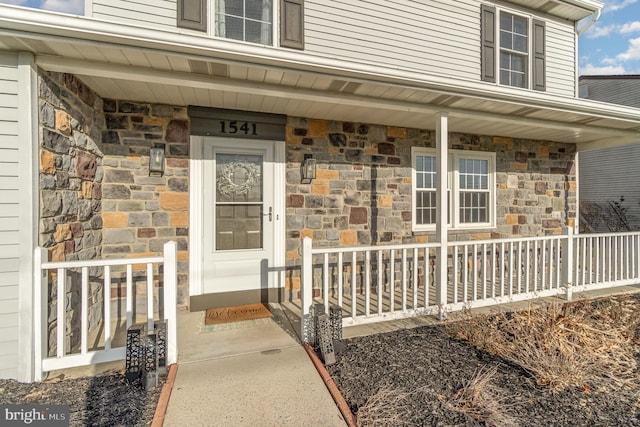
{"points": [[234, 127]]}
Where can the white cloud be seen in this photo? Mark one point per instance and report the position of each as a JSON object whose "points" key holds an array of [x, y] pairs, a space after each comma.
{"points": [[590, 69], [630, 27], [632, 53], [75, 7], [600, 31], [613, 6]]}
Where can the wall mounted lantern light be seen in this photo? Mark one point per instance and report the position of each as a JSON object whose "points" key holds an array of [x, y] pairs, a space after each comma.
{"points": [[156, 160], [308, 169]]}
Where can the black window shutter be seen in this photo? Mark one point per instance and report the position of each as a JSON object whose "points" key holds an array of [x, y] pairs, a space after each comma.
{"points": [[192, 14], [539, 68], [488, 34], [292, 23]]}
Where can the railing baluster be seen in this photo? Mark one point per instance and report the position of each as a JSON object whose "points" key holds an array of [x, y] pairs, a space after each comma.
{"points": [[484, 270], [558, 262], [510, 269], [392, 281], [519, 267], [380, 274], [149, 296], [353, 285], [61, 312], [404, 279], [543, 269], [455, 274], [427, 277], [325, 281], [527, 261], [474, 271], [493, 270], [84, 310], [414, 280], [585, 263], [535, 262], [502, 267], [129, 297], [106, 284], [340, 279], [367, 283], [465, 273]]}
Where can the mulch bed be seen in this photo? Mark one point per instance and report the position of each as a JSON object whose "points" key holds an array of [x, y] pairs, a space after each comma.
{"points": [[421, 369], [106, 400]]}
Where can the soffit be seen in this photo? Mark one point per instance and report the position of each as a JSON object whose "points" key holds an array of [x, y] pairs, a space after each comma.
{"points": [[151, 76]]}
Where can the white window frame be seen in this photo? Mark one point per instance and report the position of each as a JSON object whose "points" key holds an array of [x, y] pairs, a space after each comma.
{"points": [[275, 24], [453, 186], [527, 55]]}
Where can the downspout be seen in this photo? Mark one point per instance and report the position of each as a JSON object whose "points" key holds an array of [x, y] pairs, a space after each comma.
{"points": [[594, 18]]}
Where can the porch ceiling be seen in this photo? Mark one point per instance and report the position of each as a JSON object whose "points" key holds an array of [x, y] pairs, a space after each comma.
{"points": [[147, 71]]}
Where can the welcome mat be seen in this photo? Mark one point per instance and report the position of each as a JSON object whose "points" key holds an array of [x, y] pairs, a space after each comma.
{"points": [[216, 316]]}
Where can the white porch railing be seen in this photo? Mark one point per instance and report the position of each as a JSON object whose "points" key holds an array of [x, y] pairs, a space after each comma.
{"points": [[379, 283], [102, 269]]}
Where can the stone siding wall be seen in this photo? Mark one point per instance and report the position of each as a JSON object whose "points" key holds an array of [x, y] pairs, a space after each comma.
{"points": [[71, 122], [97, 199], [142, 212], [363, 193]]}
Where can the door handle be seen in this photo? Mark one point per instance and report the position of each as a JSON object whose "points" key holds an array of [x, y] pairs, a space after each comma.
{"points": [[270, 214]]}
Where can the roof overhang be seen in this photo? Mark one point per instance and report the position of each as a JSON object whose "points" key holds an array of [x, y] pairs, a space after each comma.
{"points": [[138, 64]]}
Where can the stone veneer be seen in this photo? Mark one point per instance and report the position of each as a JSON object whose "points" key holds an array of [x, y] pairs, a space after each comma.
{"points": [[97, 199], [141, 212], [70, 190], [362, 194]]}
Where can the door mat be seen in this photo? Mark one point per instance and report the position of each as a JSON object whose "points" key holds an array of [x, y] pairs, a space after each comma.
{"points": [[216, 316]]}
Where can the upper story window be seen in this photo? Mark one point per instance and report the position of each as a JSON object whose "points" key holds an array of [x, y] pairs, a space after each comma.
{"points": [[245, 20], [470, 189], [518, 53], [514, 50]]}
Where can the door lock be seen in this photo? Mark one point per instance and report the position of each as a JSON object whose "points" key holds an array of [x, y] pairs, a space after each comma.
{"points": [[270, 214]]}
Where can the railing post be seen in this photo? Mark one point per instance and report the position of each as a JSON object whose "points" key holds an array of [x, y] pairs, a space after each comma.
{"points": [[40, 299], [170, 300], [442, 273], [567, 260], [306, 289]]}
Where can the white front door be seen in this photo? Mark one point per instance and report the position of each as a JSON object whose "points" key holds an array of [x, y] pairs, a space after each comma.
{"points": [[238, 214]]}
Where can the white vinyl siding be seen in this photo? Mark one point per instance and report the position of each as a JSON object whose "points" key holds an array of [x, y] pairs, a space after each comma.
{"points": [[9, 215], [560, 57], [157, 14], [436, 37]]}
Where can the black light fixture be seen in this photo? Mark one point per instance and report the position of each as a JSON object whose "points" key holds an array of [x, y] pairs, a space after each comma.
{"points": [[156, 160], [308, 169]]}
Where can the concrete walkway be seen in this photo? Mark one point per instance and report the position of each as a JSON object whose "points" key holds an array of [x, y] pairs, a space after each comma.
{"points": [[246, 373]]}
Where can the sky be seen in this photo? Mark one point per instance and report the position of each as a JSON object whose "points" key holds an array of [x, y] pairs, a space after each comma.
{"points": [[610, 46]]}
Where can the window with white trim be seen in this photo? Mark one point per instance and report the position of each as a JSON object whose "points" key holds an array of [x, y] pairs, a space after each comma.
{"points": [[514, 50], [245, 20], [470, 189]]}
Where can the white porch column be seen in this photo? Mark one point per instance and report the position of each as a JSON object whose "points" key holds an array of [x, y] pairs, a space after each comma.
{"points": [[441, 209]]}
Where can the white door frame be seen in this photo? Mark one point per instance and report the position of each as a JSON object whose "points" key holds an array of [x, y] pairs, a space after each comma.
{"points": [[196, 214]]}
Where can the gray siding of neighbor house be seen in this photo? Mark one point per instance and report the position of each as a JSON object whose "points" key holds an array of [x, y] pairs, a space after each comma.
{"points": [[608, 174], [437, 37], [9, 215]]}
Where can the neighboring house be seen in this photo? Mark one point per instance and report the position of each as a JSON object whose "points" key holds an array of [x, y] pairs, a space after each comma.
{"points": [[609, 178], [239, 94]]}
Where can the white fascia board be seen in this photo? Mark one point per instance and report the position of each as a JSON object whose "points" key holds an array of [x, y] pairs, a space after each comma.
{"points": [[44, 25]]}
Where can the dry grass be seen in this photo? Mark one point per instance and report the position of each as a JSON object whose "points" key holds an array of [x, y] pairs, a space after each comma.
{"points": [[384, 409], [481, 401], [585, 345]]}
